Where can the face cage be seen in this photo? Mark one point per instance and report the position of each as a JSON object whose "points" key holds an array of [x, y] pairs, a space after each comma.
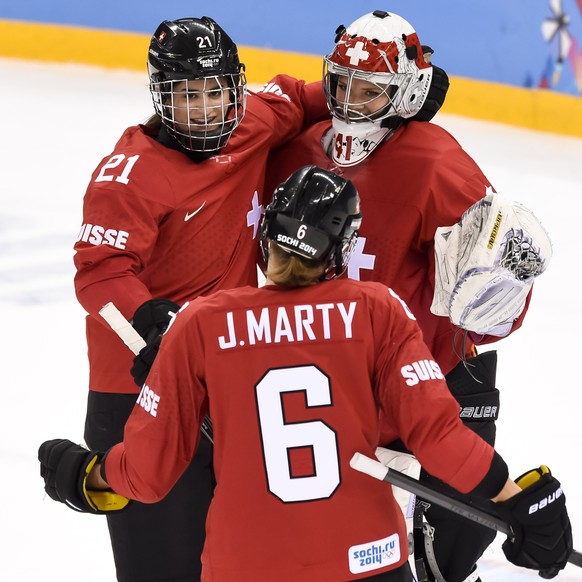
{"points": [[391, 85], [339, 257], [223, 106]]}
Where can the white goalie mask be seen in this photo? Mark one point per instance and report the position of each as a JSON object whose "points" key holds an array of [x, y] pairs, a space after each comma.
{"points": [[382, 49]]}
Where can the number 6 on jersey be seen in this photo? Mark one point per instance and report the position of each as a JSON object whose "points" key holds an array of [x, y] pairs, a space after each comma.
{"points": [[280, 437]]}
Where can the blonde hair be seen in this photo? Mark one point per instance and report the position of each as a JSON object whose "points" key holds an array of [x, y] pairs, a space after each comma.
{"points": [[289, 270]]}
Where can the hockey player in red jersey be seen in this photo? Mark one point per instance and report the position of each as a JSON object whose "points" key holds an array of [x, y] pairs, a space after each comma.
{"points": [[170, 214], [416, 182], [294, 374]]}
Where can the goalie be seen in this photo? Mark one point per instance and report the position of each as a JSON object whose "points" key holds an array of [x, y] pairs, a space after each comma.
{"points": [[415, 180]]}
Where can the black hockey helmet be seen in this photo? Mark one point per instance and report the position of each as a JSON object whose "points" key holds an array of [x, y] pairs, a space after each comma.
{"points": [[314, 214], [192, 49]]}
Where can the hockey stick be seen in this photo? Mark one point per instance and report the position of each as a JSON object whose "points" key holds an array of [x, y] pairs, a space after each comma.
{"points": [[122, 328], [379, 471], [136, 343]]}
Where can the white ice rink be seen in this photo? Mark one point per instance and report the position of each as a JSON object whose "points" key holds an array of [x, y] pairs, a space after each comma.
{"points": [[58, 122]]}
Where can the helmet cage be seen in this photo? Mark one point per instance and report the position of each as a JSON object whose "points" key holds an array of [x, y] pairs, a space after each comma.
{"points": [[342, 250], [201, 113], [197, 82], [389, 86]]}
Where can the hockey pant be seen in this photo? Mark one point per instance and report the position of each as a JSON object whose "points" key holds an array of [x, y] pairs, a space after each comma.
{"points": [[446, 545], [161, 541]]}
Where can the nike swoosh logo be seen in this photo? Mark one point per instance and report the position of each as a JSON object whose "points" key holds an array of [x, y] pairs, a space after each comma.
{"points": [[189, 215]]}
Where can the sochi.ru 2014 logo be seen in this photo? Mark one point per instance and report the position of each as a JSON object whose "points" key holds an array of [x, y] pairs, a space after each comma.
{"points": [[373, 555]]}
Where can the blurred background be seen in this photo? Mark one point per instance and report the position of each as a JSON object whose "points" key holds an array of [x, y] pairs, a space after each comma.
{"points": [[517, 62]]}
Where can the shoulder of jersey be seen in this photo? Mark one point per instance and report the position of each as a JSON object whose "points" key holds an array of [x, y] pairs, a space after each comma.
{"points": [[427, 130]]}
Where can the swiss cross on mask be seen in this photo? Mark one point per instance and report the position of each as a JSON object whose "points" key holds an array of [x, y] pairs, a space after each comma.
{"points": [[357, 54]]}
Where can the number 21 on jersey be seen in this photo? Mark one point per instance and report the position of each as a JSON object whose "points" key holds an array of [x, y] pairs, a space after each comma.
{"points": [[279, 438], [116, 169]]}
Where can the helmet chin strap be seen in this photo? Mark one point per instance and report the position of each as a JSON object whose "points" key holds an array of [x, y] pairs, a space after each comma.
{"points": [[349, 143]]}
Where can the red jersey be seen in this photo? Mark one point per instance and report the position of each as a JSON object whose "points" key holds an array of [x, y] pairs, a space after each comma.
{"points": [[418, 180], [294, 380], [156, 224]]}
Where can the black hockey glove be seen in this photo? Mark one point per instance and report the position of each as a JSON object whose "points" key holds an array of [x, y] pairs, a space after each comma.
{"points": [[437, 91], [143, 362], [151, 320], [539, 520], [64, 466], [153, 317]]}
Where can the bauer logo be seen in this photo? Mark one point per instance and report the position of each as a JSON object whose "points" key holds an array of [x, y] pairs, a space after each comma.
{"points": [[546, 501], [495, 230], [479, 412], [374, 555]]}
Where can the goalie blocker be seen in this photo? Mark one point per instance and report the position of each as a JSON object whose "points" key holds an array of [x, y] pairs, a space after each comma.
{"points": [[486, 264]]}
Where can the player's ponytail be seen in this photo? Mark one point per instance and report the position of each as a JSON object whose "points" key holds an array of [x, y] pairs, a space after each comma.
{"points": [[290, 270]]}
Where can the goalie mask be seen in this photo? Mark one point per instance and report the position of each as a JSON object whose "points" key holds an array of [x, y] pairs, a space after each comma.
{"points": [[375, 76], [383, 49], [314, 214], [197, 82]]}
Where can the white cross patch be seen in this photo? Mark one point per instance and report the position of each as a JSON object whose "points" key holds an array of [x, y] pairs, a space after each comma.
{"points": [[360, 260], [254, 215], [356, 53]]}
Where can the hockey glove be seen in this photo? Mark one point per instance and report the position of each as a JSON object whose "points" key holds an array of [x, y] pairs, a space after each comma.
{"points": [[153, 317], [542, 534], [64, 466], [437, 91], [485, 265], [143, 362], [151, 321]]}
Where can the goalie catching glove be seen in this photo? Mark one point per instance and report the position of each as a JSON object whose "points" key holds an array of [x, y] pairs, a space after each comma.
{"points": [[486, 265], [542, 534], [65, 466]]}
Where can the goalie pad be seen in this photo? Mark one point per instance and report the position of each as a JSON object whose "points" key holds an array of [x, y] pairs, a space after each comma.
{"points": [[485, 265]]}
